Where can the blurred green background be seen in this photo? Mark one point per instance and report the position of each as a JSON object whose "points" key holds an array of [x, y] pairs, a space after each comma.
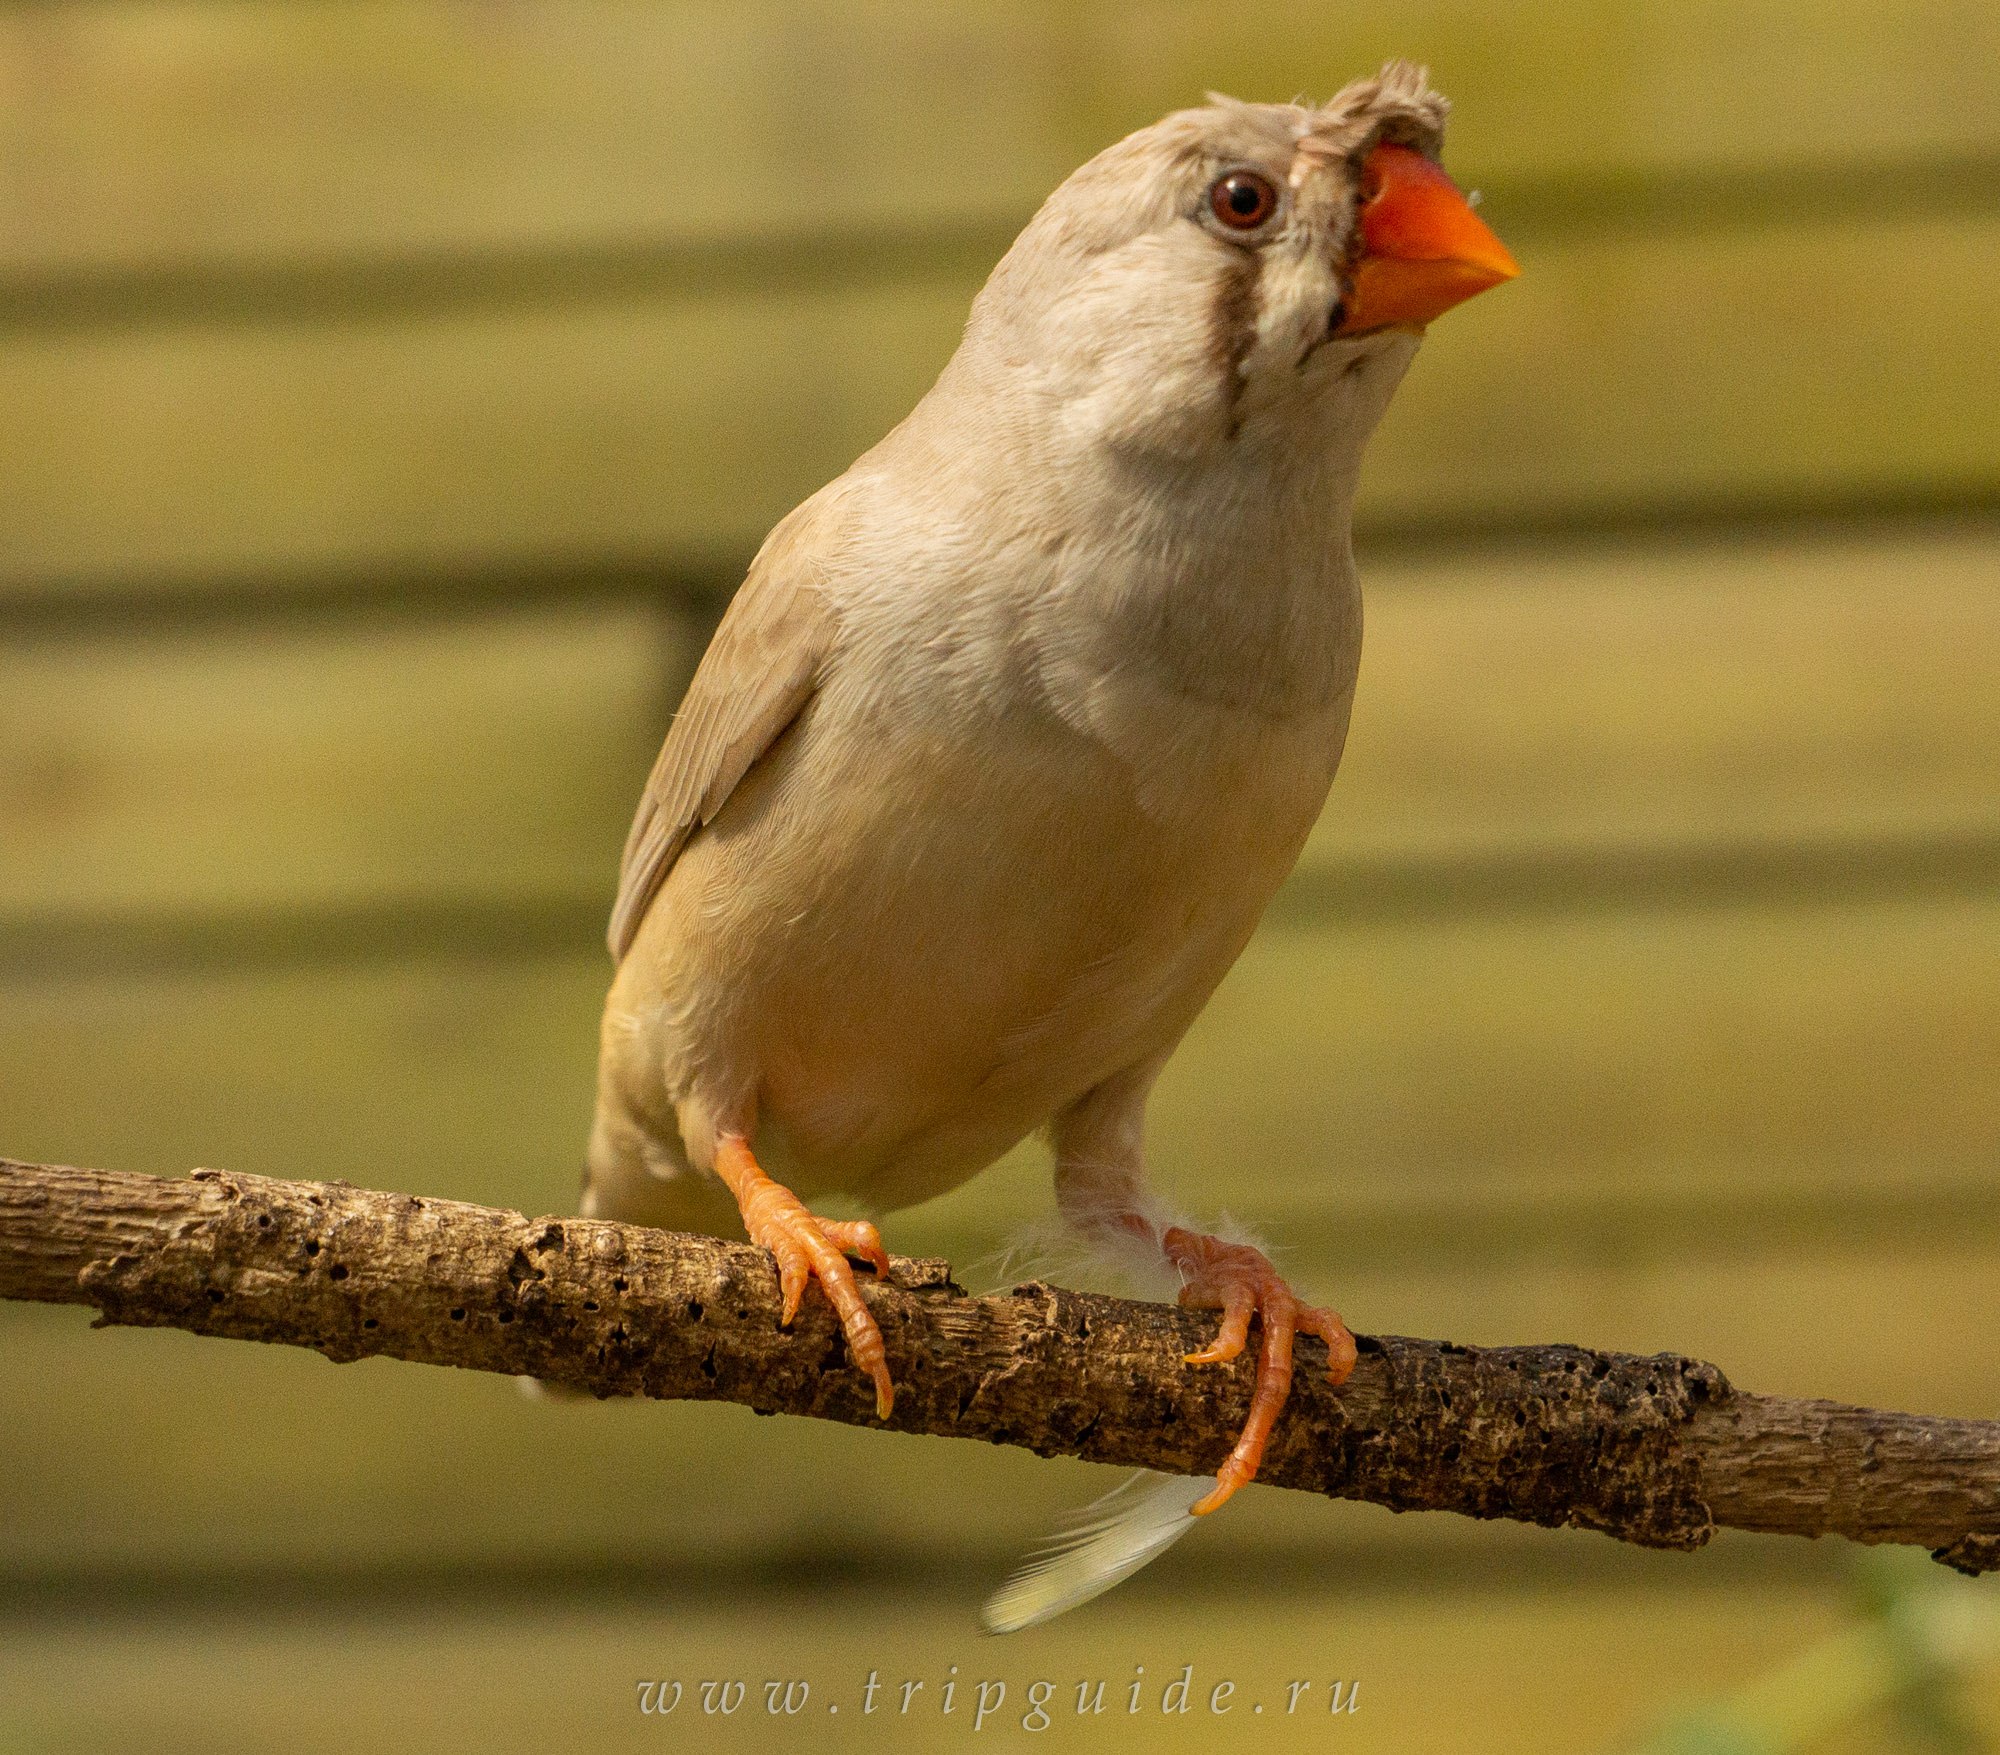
{"points": [[390, 394]]}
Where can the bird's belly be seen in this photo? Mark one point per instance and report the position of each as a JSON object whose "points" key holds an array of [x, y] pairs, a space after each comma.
{"points": [[896, 1075], [919, 975]]}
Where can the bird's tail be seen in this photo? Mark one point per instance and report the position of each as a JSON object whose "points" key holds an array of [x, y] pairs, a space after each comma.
{"points": [[1106, 1542]]}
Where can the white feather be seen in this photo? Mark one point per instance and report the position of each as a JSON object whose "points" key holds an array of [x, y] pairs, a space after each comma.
{"points": [[538, 1391], [1111, 1539]]}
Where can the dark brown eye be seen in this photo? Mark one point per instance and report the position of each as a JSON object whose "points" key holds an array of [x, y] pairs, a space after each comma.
{"points": [[1243, 200]]}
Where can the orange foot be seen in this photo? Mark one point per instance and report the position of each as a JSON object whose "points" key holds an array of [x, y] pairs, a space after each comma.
{"points": [[808, 1247], [1241, 1283]]}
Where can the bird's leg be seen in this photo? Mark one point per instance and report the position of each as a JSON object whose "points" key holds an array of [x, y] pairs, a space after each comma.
{"points": [[806, 1247], [1241, 1283], [1101, 1188]]}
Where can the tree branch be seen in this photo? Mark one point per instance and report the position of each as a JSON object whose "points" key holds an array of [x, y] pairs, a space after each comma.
{"points": [[1660, 1451]]}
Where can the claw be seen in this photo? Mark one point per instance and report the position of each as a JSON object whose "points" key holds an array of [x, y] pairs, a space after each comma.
{"points": [[807, 1247], [1241, 1282], [1239, 1303]]}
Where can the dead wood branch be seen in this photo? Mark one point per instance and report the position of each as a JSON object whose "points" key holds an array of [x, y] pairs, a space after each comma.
{"points": [[1659, 1451]]}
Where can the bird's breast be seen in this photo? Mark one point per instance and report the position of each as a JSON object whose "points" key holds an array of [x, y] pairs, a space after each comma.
{"points": [[942, 940], [1008, 851]]}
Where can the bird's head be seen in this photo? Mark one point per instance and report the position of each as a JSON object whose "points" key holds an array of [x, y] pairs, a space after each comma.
{"points": [[1240, 275]]}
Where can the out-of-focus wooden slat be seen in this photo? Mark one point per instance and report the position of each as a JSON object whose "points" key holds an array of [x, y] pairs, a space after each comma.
{"points": [[1791, 1047], [147, 133], [1650, 695], [684, 429], [143, 133], [1648, 373], [1551, 90], [460, 1073], [680, 429], [490, 760]]}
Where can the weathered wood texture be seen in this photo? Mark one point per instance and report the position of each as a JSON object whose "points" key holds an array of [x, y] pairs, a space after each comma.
{"points": [[1657, 1451]]}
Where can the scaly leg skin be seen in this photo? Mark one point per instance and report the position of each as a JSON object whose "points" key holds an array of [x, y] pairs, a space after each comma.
{"points": [[1241, 1282], [807, 1247], [1101, 1188]]}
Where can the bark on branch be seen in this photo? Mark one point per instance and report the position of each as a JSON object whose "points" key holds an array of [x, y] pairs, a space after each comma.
{"points": [[1660, 1451]]}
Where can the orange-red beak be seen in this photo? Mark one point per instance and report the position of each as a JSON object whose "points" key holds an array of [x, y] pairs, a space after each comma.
{"points": [[1423, 249]]}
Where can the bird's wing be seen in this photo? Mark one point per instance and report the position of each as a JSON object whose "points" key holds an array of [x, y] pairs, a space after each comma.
{"points": [[756, 677]]}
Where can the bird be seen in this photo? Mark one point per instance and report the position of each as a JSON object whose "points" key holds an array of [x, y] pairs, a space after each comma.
{"points": [[1012, 731]]}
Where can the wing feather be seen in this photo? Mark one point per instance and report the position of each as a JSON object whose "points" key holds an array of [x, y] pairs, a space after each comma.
{"points": [[756, 677]]}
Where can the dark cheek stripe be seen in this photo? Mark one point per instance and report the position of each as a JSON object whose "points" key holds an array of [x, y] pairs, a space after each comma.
{"points": [[1233, 327]]}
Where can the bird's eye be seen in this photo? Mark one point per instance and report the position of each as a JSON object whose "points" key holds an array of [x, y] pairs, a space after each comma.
{"points": [[1243, 200]]}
